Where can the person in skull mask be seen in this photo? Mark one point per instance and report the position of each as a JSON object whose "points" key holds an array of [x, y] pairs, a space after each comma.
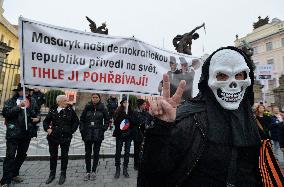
{"points": [[211, 140]]}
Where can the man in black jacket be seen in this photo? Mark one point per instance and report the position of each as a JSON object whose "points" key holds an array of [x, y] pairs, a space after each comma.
{"points": [[60, 123], [211, 140], [17, 136], [112, 104], [138, 119], [38, 96]]}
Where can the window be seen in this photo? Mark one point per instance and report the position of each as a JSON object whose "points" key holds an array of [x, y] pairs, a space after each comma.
{"points": [[2, 38], [269, 46], [271, 62], [9, 43], [282, 42]]}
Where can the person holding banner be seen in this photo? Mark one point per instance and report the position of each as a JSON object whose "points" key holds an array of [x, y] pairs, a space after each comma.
{"points": [[94, 121], [122, 133], [60, 123], [18, 133], [211, 140]]}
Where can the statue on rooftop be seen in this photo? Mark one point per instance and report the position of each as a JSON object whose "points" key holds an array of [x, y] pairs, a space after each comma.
{"points": [[101, 29], [183, 43]]}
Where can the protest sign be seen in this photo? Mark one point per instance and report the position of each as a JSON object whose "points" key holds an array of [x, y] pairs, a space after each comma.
{"points": [[53, 56], [264, 72]]}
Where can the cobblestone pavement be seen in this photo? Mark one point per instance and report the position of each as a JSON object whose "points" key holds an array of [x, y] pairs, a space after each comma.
{"points": [[36, 173], [39, 145]]}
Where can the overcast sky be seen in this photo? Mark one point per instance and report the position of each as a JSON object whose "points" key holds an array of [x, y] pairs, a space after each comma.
{"points": [[154, 21]]}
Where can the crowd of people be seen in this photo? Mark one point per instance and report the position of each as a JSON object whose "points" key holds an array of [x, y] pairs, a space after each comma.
{"points": [[213, 139], [61, 123], [270, 124]]}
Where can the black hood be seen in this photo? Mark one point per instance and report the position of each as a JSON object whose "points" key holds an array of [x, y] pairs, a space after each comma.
{"points": [[203, 83], [230, 127]]}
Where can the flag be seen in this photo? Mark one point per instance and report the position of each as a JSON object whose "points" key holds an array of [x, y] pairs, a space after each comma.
{"points": [[21, 98], [124, 125]]}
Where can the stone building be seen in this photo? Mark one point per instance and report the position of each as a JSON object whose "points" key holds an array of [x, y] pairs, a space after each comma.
{"points": [[9, 57], [267, 42]]}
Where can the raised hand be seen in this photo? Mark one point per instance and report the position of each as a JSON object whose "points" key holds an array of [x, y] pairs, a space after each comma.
{"points": [[22, 104], [165, 107]]}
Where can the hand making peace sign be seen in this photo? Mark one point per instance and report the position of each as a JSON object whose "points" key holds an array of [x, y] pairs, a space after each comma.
{"points": [[165, 108]]}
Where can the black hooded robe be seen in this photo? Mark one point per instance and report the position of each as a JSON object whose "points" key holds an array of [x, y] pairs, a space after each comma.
{"points": [[206, 145]]}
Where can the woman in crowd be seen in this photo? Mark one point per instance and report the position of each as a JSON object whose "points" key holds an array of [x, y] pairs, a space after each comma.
{"points": [[94, 122], [60, 123], [122, 134], [263, 122], [277, 122]]}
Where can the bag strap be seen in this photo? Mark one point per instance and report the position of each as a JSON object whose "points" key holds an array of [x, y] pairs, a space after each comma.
{"points": [[259, 125]]}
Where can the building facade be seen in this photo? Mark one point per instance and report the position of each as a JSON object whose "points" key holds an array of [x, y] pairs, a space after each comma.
{"points": [[267, 42], [10, 57]]}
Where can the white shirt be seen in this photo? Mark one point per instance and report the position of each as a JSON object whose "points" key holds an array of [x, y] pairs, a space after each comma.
{"points": [[59, 109]]}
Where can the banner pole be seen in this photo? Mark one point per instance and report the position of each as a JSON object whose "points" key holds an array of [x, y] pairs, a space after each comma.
{"points": [[25, 108], [127, 104]]}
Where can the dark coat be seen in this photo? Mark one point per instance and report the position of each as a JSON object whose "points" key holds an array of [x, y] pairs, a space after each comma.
{"points": [[275, 128], [63, 124], [281, 136], [15, 119], [120, 115], [39, 97], [138, 120], [172, 150], [265, 122], [112, 104], [94, 122]]}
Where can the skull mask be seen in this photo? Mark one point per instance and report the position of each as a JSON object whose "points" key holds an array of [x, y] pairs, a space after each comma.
{"points": [[228, 78]]}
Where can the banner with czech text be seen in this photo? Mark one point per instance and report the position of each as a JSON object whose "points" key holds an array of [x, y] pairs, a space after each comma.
{"points": [[53, 56]]}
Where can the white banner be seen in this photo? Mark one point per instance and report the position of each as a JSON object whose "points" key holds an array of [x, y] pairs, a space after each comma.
{"points": [[53, 56], [264, 72]]}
